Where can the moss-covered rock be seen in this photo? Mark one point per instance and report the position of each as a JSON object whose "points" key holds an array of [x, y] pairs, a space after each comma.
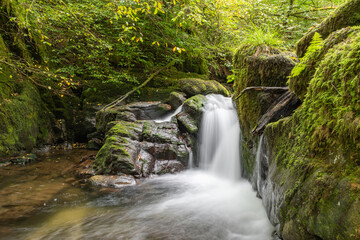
{"points": [[190, 118], [135, 147], [257, 66], [344, 16], [175, 100], [130, 112], [306, 68], [317, 151], [24, 122], [119, 153], [260, 66], [193, 86]]}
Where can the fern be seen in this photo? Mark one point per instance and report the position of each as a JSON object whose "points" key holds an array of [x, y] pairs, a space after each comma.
{"points": [[315, 45]]}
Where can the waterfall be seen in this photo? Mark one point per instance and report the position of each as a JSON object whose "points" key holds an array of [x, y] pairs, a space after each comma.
{"points": [[219, 139]]}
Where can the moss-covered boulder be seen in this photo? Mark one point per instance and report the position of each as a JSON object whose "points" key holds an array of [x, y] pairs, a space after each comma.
{"points": [[130, 112], [190, 118], [260, 66], [257, 66], [135, 147], [316, 152], [306, 68], [344, 16], [193, 86], [119, 153], [175, 100]]}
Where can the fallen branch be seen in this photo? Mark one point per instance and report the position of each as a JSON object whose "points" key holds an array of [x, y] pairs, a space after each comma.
{"points": [[123, 97], [278, 90]]}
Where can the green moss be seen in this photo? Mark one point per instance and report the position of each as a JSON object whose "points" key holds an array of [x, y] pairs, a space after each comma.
{"points": [[195, 103], [125, 129], [306, 68], [23, 122], [192, 87], [344, 16]]}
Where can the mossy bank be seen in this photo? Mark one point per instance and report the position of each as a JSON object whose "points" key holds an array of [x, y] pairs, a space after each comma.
{"points": [[312, 158]]}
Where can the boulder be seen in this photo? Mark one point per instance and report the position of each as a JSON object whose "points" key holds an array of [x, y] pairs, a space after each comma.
{"points": [[131, 112], [193, 86], [134, 147], [175, 100]]}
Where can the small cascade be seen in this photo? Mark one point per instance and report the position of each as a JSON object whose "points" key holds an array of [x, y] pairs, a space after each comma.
{"points": [[256, 179], [191, 160], [271, 196], [219, 138], [169, 116]]}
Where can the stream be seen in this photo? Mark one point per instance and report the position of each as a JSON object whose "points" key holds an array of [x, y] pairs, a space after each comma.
{"points": [[210, 202]]}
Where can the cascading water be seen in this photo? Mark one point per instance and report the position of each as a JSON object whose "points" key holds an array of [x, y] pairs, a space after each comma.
{"points": [[210, 203], [219, 142]]}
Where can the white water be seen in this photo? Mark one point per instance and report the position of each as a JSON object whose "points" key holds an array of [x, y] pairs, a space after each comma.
{"points": [[169, 116], [211, 203], [219, 142]]}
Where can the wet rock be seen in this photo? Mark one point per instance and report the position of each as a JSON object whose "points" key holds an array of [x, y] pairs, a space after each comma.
{"points": [[168, 166], [117, 156], [194, 86], [146, 161], [85, 168], [131, 112], [165, 132], [24, 159], [187, 123], [112, 181], [95, 143], [132, 148], [190, 118], [175, 100]]}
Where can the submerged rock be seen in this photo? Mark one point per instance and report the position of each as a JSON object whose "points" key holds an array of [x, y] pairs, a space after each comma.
{"points": [[112, 181]]}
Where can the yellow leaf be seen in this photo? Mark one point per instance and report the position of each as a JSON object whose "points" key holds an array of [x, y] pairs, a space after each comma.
{"points": [[11, 76], [174, 49], [158, 44]]}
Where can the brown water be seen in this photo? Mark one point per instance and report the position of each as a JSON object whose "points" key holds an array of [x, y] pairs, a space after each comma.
{"points": [[29, 192]]}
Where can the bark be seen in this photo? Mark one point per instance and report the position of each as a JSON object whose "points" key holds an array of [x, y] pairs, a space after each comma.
{"points": [[283, 107], [273, 90]]}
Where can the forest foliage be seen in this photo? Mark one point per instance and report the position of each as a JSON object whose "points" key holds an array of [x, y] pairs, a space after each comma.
{"points": [[84, 45]]}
